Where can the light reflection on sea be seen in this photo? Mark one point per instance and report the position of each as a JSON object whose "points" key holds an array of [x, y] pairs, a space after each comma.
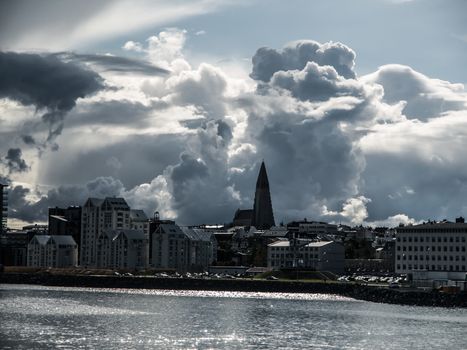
{"points": [[61, 317]]}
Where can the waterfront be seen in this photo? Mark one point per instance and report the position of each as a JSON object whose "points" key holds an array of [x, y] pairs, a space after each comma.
{"points": [[63, 317]]}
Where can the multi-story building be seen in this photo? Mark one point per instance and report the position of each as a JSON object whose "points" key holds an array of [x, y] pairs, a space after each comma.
{"points": [[98, 215], [52, 251], [319, 255], [66, 221], [122, 249], [14, 247], [432, 247], [182, 249], [3, 208], [307, 228]]}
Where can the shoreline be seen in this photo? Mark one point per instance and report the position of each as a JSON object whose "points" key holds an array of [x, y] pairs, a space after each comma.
{"points": [[357, 291]]}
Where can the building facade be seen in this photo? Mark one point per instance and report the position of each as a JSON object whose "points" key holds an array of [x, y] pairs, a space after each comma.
{"points": [[319, 255], [98, 215], [432, 247], [66, 221], [181, 248], [3, 208], [52, 251], [122, 249]]}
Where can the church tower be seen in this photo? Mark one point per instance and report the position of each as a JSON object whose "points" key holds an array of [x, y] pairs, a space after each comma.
{"points": [[263, 217]]}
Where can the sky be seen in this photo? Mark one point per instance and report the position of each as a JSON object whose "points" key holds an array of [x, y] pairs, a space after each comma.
{"points": [[358, 108]]}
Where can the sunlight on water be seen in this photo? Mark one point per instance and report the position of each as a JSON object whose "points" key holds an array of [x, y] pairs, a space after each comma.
{"points": [[41, 317]]}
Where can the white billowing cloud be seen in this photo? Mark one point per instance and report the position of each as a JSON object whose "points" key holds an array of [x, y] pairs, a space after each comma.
{"points": [[151, 197], [360, 150], [166, 47], [296, 55], [133, 46], [425, 97], [353, 211], [393, 221]]}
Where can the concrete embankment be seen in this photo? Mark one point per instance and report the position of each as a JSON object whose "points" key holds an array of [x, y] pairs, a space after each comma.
{"points": [[362, 292]]}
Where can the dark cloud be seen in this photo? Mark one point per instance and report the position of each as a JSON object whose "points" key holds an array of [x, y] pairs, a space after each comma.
{"points": [[425, 97], [296, 55], [421, 188], [116, 63], [14, 161], [199, 183], [148, 154], [28, 139], [203, 88], [46, 83], [316, 83], [62, 196]]}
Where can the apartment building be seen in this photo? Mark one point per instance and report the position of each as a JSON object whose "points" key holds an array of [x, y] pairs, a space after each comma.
{"points": [[317, 255], [52, 251], [122, 249], [98, 215], [432, 247]]}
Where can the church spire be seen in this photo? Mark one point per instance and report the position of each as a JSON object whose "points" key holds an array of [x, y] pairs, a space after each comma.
{"points": [[263, 217]]}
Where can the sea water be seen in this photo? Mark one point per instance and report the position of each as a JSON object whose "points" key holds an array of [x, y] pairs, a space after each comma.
{"points": [[37, 317]]}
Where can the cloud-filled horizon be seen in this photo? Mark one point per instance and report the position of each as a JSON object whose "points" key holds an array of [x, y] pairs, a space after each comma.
{"points": [[183, 134]]}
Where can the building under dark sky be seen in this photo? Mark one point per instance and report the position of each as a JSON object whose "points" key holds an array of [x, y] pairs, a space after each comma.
{"points": [[3, 207], [263, 217]]}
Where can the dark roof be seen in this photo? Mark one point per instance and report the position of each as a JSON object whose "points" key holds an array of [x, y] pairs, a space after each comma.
{"points": [[115, 203], [262, 181], [138, 215], [435, 225]]}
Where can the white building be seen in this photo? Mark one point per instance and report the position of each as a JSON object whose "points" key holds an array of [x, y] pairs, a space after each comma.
{"points": [[432, 247], [98, 215], [182, 249], [122, 249], [52, 251], [139, 221], [320, 255]]}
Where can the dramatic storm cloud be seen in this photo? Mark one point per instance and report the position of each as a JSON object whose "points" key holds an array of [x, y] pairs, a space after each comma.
{"points": [[46, 83], [185, 136], [14, 161]]}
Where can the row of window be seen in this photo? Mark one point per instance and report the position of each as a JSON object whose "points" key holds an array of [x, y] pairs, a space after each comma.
{"points": [[315, 249], [433, 267], [432, 248], [433, 257], [438, 239], [284, 256]]}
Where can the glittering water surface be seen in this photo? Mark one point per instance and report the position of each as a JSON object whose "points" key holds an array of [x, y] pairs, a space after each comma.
{"points": [[33, 317]]}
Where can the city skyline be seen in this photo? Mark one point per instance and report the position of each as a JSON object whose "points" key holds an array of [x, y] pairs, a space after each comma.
{"points": [[360, 123]]}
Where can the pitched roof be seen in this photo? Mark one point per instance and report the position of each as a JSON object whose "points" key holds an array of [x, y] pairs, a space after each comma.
{"points": [[115, 203], [128, 233], [138, 215], [57, 239], [66, 240], [41, 239], [311, 244], [94, 202]]}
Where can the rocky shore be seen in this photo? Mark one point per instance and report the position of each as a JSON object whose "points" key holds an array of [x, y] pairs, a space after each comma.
{"points": [[357, 291]]}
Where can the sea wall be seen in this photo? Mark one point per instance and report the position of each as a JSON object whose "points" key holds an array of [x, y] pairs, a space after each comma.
{"points": [[358, 291]]}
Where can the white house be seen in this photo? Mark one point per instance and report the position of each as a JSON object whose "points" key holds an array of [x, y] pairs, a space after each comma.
{"points": [[106, 214], [122, 249], [318, 255], [52, 251], [433, 247], [181, 248]]}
